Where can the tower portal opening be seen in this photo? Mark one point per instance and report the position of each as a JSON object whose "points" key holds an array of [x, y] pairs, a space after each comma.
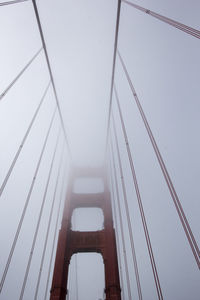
{"points": [[87, 219], [86, 277], [88, 185]]}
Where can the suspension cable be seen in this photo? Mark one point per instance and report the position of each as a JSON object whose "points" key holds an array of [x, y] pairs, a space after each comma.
{"points": [[76, 275], [49, 224], [122, 232], [39, 219], [76, 265], [175, 198], [126, 209], [25, 206], [187, 29], [69, 284], [147, 237], [113, 70], [54, 236], [12, 2], [20, 74], [3, 185], [50, 73], [117, 241]]}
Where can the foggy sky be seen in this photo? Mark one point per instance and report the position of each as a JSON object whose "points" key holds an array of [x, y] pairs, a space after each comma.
{"points": [[164, 66]]}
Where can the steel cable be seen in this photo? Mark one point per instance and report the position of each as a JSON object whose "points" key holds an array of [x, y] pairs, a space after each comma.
{"points": [[12, 2], [19, 74], [187, 29], [140, 204], [50, 73], [76, 276], [121, 229], [76, 265], [54, 237], [175, 198], [113, 70], [116, 228], [48, 226], [39, 219], [127, 211], [26, 205], [3, 185]]}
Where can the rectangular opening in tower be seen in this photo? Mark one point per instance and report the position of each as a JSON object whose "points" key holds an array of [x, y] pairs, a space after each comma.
{"points": [[87, 219], [86, 277], [87, 185]]}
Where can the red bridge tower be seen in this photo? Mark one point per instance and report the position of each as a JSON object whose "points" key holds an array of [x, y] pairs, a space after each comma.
{"points": [[70, 242]]}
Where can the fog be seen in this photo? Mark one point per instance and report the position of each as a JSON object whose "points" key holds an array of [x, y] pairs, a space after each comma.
{"points": [[164, 66]]}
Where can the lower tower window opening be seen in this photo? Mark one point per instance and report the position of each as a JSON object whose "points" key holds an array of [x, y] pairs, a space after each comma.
{"points": [[86, 278]]}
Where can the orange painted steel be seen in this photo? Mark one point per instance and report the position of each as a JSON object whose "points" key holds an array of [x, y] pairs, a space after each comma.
{"points": [[102, 241]]}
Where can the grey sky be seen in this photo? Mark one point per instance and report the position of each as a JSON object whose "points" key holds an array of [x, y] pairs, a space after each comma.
{"points": [[164, 65]]}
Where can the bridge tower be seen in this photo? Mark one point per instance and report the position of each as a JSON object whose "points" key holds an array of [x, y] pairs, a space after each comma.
{"points": [[102, 241]]}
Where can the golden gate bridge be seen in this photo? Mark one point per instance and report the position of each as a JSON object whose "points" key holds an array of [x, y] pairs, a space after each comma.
{"points": [[111, 242]]}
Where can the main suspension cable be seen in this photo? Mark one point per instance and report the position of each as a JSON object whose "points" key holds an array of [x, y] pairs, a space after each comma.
{"points": [[121, 223], [3, 185], [12, 2], [113, 70], [187, 29], [49, 224], [146, 232], [39, 219], [20, 74], [175, 198], [127, 211], [26, 205], [50, 73], [54, 236]]}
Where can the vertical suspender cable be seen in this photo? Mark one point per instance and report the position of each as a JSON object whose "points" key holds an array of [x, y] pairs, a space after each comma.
{"points": [[144, 223], [127, 212], [113, 70], [50, 72], [22, 142], [175, 198], [54, 236], [48, 226], [122, 235], [26, 205], [39, 220]]}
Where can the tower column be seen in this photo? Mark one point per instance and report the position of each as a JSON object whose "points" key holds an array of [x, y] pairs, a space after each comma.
{"points": [[102, 241]]}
